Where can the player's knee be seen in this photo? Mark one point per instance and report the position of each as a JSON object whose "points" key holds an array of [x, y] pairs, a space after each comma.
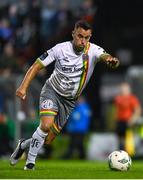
{"points": [[46, 123]]}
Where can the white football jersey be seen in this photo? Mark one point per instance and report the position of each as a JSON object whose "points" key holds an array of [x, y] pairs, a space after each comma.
{"points": [[72, 71]]}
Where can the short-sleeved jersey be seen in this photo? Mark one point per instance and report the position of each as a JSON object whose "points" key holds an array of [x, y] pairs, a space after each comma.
{"points": [[125, 106], [72, 71]]}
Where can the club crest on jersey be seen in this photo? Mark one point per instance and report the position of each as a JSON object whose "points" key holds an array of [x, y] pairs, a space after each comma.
{"points": [[43, 56], [47, 104], [85, 57]]}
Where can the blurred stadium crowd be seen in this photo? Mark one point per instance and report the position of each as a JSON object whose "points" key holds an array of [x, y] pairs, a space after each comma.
{"points": [[29, 27]]}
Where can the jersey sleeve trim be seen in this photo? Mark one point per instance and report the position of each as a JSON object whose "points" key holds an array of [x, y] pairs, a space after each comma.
{"points": [[39, 62]]}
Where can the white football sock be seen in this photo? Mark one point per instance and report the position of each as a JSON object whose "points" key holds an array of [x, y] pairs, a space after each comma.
{"points": [[36, 143], [26, 143]]}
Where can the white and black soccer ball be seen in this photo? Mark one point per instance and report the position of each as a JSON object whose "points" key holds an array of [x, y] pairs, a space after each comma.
{"points": [[119, 160]]}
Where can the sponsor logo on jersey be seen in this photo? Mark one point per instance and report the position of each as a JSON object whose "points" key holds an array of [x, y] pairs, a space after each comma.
{"points": [[47, 104], [71, 69]]}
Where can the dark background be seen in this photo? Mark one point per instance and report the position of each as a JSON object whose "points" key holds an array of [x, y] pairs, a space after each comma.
{"points": [[117, 25]]}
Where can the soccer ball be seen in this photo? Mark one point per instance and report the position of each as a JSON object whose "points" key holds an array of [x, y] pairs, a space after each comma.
{"points": [[119, 160]]}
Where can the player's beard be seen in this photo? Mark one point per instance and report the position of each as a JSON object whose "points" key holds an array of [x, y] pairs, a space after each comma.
{"points": [[78, 49]]}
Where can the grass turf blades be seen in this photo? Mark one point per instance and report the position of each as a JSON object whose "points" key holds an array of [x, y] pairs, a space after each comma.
{"points": [[68, 169]]}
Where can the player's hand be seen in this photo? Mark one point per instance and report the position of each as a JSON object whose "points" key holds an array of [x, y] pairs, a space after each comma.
{"points": [[21, 93], [131, 123], [112, 62]]}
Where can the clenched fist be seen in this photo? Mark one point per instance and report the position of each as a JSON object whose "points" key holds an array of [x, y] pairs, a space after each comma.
{"points": [[21, 93], [112, 62]]}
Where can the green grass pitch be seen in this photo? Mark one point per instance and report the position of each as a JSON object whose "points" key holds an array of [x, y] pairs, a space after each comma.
{"points": [[69, 169]]}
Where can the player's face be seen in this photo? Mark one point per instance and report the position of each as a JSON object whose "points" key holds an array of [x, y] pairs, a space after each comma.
{"points": [[125, 89], [80, 38]]}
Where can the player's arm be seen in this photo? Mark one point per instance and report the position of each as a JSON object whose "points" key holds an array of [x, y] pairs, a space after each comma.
{"points": [[42, 61], [135, 116], [137, 113], [31, 73], [111, 61]]}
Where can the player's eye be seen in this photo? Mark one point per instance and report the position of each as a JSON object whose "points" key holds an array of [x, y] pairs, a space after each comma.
{"points": [[87, 37], [80, 36]]}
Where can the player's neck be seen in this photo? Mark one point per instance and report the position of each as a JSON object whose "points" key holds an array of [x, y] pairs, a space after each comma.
{"points": [[76, 50]]}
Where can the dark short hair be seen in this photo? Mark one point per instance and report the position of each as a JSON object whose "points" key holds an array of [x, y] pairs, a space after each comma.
{"points": [[83, 24]]}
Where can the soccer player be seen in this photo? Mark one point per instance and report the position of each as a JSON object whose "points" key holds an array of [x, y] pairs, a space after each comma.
{"points": [[128, 112], [74, 64]]}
